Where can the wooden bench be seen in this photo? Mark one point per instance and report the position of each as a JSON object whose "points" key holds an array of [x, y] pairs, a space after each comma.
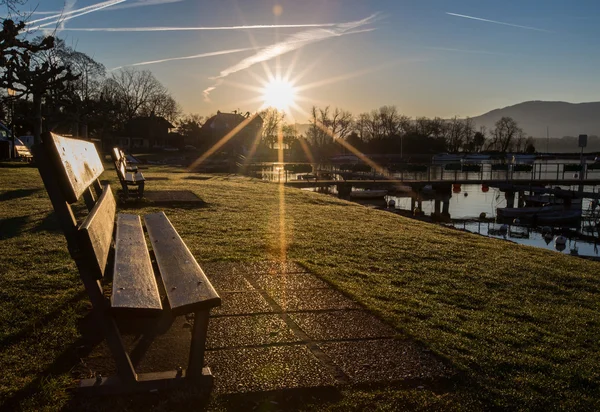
{"points": [[129, 176], [23, 153], [70, 169]]}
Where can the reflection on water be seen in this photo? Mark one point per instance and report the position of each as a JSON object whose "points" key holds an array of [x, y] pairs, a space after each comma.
{"points": [[472, 201], [527, 236]]}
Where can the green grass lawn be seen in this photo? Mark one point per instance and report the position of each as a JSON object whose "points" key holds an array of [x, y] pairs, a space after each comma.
{"points": [[520, 324]]}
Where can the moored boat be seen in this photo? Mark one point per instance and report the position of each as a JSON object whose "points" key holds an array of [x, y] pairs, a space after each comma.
{"points": [[446, 158], [475, 157], [368, 193], [520, 212], [521, 158]]}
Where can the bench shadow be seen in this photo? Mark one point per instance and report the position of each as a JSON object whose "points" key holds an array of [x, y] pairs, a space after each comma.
{"points": [[282, 399], [17, 194], [16, 165], [12, 227], [48, 224]]}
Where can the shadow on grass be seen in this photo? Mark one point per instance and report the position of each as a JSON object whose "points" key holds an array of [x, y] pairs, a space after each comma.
{"points": [[12, 227], [15, 165], [40, 322], [48, 224], [17, 194], [282, 399], [190, 398]]}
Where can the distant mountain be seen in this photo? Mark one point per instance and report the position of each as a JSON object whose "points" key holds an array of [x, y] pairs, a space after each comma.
{"points": [[561, 118]]}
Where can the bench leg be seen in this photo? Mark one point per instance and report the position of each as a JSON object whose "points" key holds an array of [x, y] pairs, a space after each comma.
{"points": [[196, 361], [141, 190]]}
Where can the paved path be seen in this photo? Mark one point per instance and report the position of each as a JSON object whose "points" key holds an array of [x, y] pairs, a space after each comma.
{"points": [[282, 327]]}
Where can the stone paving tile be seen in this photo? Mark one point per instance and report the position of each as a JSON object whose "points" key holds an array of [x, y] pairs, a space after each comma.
{"points": [[240, 303], [384, 360], [287, 281], [245, 268], [233, 331], [312, 299], [223, 282], [343, 324], [264, 369]]}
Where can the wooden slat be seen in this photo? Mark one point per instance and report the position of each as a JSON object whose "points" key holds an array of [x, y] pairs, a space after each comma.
{"points": [[116, 154], [97, 229], [134, 177], [134, 283], [186, 285], [76, 160]]}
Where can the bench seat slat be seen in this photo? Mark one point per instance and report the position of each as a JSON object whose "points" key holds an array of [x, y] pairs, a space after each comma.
{"points": [[134, 177], [186, 285], [134, 283]]}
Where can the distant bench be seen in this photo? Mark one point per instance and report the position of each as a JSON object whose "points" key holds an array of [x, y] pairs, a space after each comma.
{"points": [[70, 169], [128, 175], [23, 153]]}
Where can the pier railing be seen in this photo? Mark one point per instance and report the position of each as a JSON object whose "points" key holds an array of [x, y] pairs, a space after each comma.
{"points": [[476, 173]]}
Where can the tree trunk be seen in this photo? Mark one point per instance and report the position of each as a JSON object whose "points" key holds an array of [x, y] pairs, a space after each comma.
{"points": [[37, 118]]}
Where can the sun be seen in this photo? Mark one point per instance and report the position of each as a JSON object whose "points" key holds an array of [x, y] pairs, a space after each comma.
{"points": [[279, 93]]}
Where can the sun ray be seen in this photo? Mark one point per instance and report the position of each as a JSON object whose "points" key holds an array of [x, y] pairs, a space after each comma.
{"points": [[221, 142], [378, 168]]}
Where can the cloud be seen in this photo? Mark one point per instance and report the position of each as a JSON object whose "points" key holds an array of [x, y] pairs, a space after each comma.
{"points": [[195, 56], [250, 27], [293, 42], [497, 22]]}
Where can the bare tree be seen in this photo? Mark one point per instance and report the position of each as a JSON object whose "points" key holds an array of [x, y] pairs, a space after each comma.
{"points": [[290, 134], [505, 133], [139, 93], [272, 123]]}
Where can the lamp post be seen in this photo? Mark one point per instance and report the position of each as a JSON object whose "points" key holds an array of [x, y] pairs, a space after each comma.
{"points": [[11, 93]]}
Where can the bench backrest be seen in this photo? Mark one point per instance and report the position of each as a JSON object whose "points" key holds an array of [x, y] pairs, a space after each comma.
{"points": [[70, 169]]}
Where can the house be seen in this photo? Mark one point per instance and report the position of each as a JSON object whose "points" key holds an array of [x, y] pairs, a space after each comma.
{"points": [[221, 124], [151, 132]]}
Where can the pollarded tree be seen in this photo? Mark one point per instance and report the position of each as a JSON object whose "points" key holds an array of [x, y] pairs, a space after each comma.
{"points": [[25, 69]]}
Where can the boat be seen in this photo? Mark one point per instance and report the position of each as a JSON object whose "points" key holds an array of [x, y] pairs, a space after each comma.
{"points": [[564, 216], [520, 158], [368, 193], [475, 157], [344, 158], [446, 158], [524, 212]]}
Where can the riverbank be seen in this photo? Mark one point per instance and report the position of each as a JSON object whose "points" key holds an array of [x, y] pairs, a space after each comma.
{"points": [[518, 324]]}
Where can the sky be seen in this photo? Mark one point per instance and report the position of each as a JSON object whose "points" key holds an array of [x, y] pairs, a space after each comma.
{"points": [[427, 57]]}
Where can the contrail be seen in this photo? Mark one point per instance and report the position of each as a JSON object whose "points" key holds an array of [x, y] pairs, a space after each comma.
{"points": [[69, 5], [62, 20], [143, 3], [195, 56], [252, 27], [497, 22], [140, 3], [469, 51], [294, 42], [59, 15]]}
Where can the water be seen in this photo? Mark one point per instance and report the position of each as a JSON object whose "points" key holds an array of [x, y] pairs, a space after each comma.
{"points": [[467, 210], [471, 201]]}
